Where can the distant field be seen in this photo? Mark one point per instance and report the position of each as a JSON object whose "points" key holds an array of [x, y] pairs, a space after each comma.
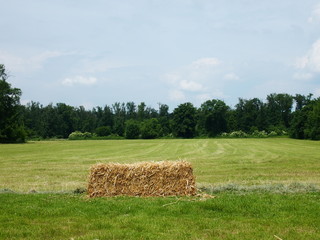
{"points": [[64, 165]]}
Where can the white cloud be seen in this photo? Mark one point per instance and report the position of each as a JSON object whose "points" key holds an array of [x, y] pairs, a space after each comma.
{"points": [[204, 97], [205, 62], [177, 95], [26, 64], [190, 86], [312, 59], [202, 79], [302, 62], [302, 76], [193, 77], [79, 80], [315, 16], [100, 65], [172, 78], [231, 76]]}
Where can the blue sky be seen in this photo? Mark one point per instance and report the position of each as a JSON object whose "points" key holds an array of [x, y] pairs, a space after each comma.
{"points": [[94, 53]]}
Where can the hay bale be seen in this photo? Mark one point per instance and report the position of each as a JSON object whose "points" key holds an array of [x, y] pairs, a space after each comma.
{"points": [[142, 179]]}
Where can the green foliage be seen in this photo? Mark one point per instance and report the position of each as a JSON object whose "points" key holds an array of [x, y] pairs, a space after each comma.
{"points": [[305, 123], [77, 135], [11, 126], [254, 134], [312, 130], [132, 129], [260, 134], [251, 114], [238, 134], [103, 131], [212, 117], [184, 121], [151, 129], [279, 109], [273, 134]]}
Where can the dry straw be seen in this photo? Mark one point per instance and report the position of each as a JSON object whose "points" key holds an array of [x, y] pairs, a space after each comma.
{"points": [[142, 179]]}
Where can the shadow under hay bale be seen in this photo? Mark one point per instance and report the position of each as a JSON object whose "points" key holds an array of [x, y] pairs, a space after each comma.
{"points": [[142, 179]]}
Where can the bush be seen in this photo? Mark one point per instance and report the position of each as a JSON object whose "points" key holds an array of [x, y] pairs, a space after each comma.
{"points": [[255, 134], [132, 129], [259, 134], [13, 134], [151, 129], [238, 134], [77, 135], [273, 134], [103, 131]]}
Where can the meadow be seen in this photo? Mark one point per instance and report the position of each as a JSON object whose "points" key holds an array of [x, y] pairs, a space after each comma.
{"points": [[64, 165], [262, 188]]}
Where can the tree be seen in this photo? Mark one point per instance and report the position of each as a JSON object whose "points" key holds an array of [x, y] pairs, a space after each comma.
{"points": [[298, 123], [212, 117], [279, 109], [312, 130], [11, 127], [86, 120], [132, 129], [250, 114], [108, 118], [103, 131], [66, 120], [164, 119], [119, 111], [305, 123], [32, 116], [131, 110], [302, 100], [184, 120], [151, 129], [141, 111]]}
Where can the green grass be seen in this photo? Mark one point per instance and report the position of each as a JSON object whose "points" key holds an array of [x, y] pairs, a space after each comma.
{"points": [[228, 216], [263, 188], [64, 165]]}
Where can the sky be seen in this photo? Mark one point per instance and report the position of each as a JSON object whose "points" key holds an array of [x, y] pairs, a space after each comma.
{"points": [[96, 53]]}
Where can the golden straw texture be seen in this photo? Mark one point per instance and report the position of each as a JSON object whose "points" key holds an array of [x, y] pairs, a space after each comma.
{"points": [[142, 179]]}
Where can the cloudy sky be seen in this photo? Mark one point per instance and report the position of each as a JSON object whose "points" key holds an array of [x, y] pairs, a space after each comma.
{"points": [[93, 53]]}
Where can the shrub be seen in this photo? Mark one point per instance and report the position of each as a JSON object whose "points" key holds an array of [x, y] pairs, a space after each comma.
{"points": [[273, 134], [103, 131], [132, 129], [150, 129], [259, 134], [77, 135], [238, 134]]}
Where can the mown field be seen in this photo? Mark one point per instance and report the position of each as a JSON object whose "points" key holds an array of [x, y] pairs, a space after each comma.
{"points": [[263, 188], [64, 165]]}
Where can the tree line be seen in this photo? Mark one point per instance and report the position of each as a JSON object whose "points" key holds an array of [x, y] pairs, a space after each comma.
{"points": [[281, 113]]}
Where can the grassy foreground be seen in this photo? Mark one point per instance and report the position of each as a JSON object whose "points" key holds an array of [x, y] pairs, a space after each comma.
{"points": [[64, 165], [228, 216], [265, 189]]}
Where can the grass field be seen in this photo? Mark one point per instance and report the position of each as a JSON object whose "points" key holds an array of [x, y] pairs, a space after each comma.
{"points": [[228, 216], [264, 189], [64, 165]]}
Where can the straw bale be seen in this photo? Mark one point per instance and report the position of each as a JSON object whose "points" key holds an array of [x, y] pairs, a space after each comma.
{"points": [[165, 178]]}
